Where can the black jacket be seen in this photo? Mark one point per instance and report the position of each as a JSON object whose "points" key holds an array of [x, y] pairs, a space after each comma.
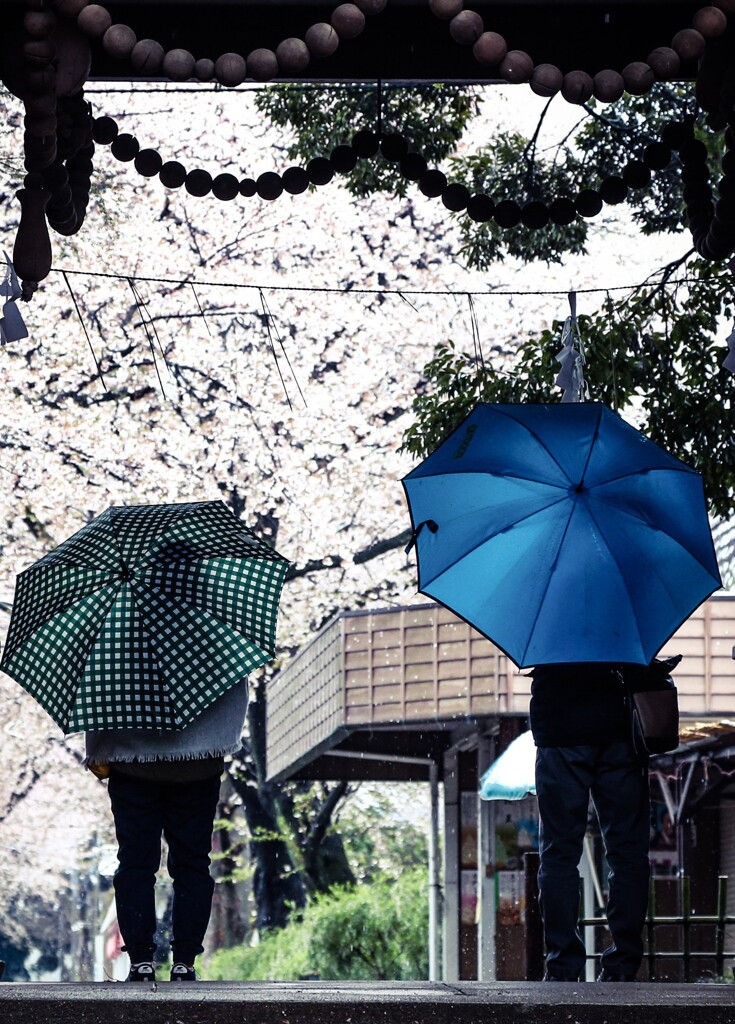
{"points": [[578, 704]]}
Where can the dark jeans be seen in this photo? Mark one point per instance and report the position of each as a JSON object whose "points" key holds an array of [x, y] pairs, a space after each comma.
{"points": [[143, 811], [618, 784]]}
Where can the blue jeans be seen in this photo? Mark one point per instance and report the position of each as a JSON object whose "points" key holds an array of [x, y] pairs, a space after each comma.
{"points": [[618, 784], [143, 811]]}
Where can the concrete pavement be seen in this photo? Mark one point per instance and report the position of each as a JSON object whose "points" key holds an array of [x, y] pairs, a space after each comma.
{"points": [[366, 1003]]}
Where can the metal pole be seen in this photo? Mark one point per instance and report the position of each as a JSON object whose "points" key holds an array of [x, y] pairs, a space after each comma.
{"points": [[720, 926], [651, 930], [686, 907], [435, 895]]}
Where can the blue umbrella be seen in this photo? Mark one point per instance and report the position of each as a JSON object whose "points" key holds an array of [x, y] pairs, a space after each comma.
{"points": [[561, 533], [513, 775]]}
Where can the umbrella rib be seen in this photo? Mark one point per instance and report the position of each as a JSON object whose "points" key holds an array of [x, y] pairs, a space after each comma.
{"points": [[548, 581], [495, 473], [592, 445], [620, 571], [639, 472], [641, 519], [539, 440], [491, 536]]}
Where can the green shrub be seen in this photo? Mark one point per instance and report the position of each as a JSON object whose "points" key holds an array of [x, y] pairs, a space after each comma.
{"points": [[373, 932]]}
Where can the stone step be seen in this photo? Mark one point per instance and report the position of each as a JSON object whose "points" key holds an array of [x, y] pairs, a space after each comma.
{"points": [[326, 1002]]}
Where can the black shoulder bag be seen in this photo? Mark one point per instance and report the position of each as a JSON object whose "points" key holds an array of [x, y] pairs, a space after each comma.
{"points": [[654, 705]]}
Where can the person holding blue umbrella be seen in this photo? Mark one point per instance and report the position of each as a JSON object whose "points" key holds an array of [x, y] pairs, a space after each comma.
{"points": [[577, 545]]}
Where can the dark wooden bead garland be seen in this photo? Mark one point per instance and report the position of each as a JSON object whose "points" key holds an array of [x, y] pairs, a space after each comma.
{"points": [[58, 145], [711, 222], [663, 63], [432, 182], [290, 57]]}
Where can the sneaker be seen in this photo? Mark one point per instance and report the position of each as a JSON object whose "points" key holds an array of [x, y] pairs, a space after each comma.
{"points": [[610, 976], [183, 972], [560, 977], [142, 972]]}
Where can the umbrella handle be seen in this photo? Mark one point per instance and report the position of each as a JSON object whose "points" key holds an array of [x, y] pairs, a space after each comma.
{"points": [[417, 530]]}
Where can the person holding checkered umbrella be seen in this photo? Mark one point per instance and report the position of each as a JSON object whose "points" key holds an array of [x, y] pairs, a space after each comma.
{"points": [[140, 630]]}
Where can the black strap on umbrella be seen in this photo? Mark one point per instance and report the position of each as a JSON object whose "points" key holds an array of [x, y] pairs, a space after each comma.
{"points": [[417, 530]]}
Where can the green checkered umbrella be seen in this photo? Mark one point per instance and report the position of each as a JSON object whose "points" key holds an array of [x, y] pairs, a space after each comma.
{"points": [[144, 617]]}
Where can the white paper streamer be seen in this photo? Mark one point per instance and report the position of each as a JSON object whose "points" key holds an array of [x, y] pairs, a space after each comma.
{"points": [[571, 357], [12, 327]]}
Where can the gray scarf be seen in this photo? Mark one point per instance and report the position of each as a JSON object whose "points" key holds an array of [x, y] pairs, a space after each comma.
{"points": [[215, 732]]}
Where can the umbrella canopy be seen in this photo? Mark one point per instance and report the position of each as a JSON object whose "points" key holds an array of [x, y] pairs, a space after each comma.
{"points": [[561, 533], [513, 775], [144, 617]]}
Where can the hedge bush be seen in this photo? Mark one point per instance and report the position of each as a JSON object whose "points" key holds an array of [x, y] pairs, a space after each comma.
{"points": [[374, 932]]}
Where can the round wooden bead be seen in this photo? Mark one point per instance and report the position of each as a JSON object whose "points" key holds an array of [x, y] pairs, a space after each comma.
{"points": [[119, 41], [38, 52], [433, 183], [94, 21], [343, 159], [204, 69], [319, 171], [225, 187], [178, 65], [371, 7], [39, 23], [247, 187], [466, 28], [577, 87], [40, 124], [148, 163], [665, 62], [710, 22], [455, 197], [490, 49], [562, 211], [293, 56], [295, 180], [321, 40], [689, 44], [588, 203], [147, 56], [230, 69], [535, 214], [481, 208], [269, 186], [636, 174], [262, 64], [71, 8], [507, 214], [546, 80], [516, 66], [446, 9], [198, 182], [608, 86], [638, 78], [348, 21], [613, 190], [412, 166], [104, 130], [44, 104], [172, 174], [125, 147]]}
